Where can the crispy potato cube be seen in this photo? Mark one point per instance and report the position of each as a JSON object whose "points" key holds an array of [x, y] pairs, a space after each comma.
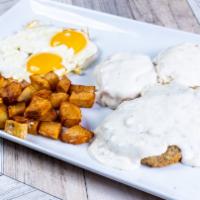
{"points": [[33, 127], [37, 108], [3, 115], [24, 84], [11, 92], [16, 129], [81, 88], [63, 84], [82, 99], [26, 94], [50, 129], [49, 116], [1, 100], [39, 82], [3, 82], [52, 78], [32, 124], [20, 119], [70, 114], [43, 93], [57, 98], [16, 109], [76, 135]]}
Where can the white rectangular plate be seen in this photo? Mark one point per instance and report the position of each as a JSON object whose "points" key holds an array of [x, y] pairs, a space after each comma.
{"points": [[112, 34]]}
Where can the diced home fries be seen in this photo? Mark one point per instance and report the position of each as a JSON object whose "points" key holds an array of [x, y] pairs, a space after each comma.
{"points": [[37, 108], [57, 98], [39, 82], [81, 88], [47, 106], [70, 114], [3, 115], [16, 129], [26, 94], [82, 99], [16, 109], [52, 79], [63, 84], [76, 135], [50, 129]]}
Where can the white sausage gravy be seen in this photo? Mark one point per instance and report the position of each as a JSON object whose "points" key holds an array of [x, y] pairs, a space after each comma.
{"points": [[146, 126], [123, 77]]}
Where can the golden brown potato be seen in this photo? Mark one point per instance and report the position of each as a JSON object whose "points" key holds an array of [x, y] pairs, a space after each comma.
{"points": [[16, 109], [50, 129], [3, 115], [1, 100], [76, 135], [49, 116], [33, 127], [39, 82], [3, 82], [43, 93], [32, 124], [82, 99], [16, 129], [26, 94], [52, 78], [37, 108], [81, 88], [20, 119], [70, 114], [63, 84], [11, 92], [57, 98], [24, 84], [171, 156]]}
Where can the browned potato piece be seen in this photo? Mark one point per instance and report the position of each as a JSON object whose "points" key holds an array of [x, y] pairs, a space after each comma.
{"points": [[76, 135], [26, 94], [82, 99], [50, 129], [171, 156], [20, 119], [81, 88], [43, 93], [57, 98], [16, 129], [24, 84], [39, 82], [49, 116], [37, 108], [63, 84], [52, 78], [3, 115], [3, 82], [70, 114], [16, 109], [1, 100], [32, 125], [11, 92]]}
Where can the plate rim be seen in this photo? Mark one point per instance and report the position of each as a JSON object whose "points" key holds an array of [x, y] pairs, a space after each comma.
{"points": [[48, 152]]}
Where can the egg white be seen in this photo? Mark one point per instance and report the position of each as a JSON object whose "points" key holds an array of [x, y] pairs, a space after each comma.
{"points": [[16, 49]]}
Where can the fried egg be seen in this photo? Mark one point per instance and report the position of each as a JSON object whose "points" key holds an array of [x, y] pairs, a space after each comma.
{"points": [[38, 49]]}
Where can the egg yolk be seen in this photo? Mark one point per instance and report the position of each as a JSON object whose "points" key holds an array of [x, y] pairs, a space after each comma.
{"points": [[43, 63], [71, 38]]}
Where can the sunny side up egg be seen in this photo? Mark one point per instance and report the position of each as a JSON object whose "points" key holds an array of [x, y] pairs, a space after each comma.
{"points": [[39, 49]]}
